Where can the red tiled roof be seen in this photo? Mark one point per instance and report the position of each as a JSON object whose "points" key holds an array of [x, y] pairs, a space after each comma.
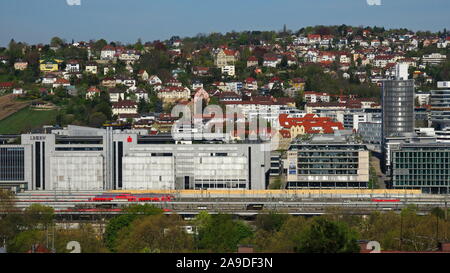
{"points": [[93, 89], [124, 104], [172, 89], [250, 80], [61, 81], [313, 36], [6, 84], [229, 52]]}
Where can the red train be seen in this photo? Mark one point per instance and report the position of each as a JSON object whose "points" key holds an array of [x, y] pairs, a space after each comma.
{"points": [[385, 200], [99, 210], [127, 197]]}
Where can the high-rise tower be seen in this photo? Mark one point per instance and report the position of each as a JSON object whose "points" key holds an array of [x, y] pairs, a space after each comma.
{"points": [[398, 104]]}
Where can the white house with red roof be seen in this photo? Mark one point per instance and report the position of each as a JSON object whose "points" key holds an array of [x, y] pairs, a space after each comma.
{"points": [[124, 107], [116, 95], [129, 55], [226, 57], [169, 94], [313, 97], [92, 92], [61, 82], [252, 61], [273, 81], [108, 52], [91, 67], [73, 66], [143, 75], [251, 84], [271, 60], [153, 80], [314, 38]]}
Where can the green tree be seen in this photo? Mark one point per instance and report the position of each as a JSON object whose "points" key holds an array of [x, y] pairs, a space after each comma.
{"points": [[97, 119], [11, 223], [222, 234], [88, 238], [25, 240], [56, 42], [38, 216], [271, 221], [325, 236], [156, 233], [118, 223]]}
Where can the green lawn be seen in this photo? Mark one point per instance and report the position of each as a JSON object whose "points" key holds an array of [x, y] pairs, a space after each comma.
{"points": [[26, 120]]}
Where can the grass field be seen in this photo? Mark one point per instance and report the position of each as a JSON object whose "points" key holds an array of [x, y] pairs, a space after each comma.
{"points": [[26, 120], [10, 105]]}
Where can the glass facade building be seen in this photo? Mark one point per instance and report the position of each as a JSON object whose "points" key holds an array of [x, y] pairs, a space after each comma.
{"points": [[421, 166], [397, 107], [440, 107], [328, 165], [370, 132], [12, 164]]}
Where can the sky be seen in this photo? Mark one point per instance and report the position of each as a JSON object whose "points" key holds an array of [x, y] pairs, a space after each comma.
{"points": [[37, 21]]}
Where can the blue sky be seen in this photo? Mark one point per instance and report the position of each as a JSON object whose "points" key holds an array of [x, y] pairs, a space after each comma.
{"points": [[36, 21]]}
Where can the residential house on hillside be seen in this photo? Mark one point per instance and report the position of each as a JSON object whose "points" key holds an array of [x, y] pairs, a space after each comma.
{"points": [[297, 84], [116, 95], [20, 65], [143, 75], [226, 57], [228, 70], [229, 96], [49, 65], [6, 85], [73, 66], [271, 60], [49, 79], [313, 97], [200, 71], [153, 80], [252, 61], [109, 82], [129, 56], [108, 53], [251, 84], [61, 82], [171, 94], [91, 67], [124, 107], [141, 94], [92, 92]]}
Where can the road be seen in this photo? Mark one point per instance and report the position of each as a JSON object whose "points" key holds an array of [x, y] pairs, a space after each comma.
{"points": [[375, 162]]}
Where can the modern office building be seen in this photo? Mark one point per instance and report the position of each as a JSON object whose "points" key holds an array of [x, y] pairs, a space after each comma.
{"points": [[327, 162], [424, 166], [275, 164], [14, 166], [397, 107], [80, 158], [440, 105], [370, 132]]}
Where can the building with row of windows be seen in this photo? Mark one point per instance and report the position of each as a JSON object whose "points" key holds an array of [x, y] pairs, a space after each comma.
{"points": [[81, 158], [327, 161], [423, 166]]}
